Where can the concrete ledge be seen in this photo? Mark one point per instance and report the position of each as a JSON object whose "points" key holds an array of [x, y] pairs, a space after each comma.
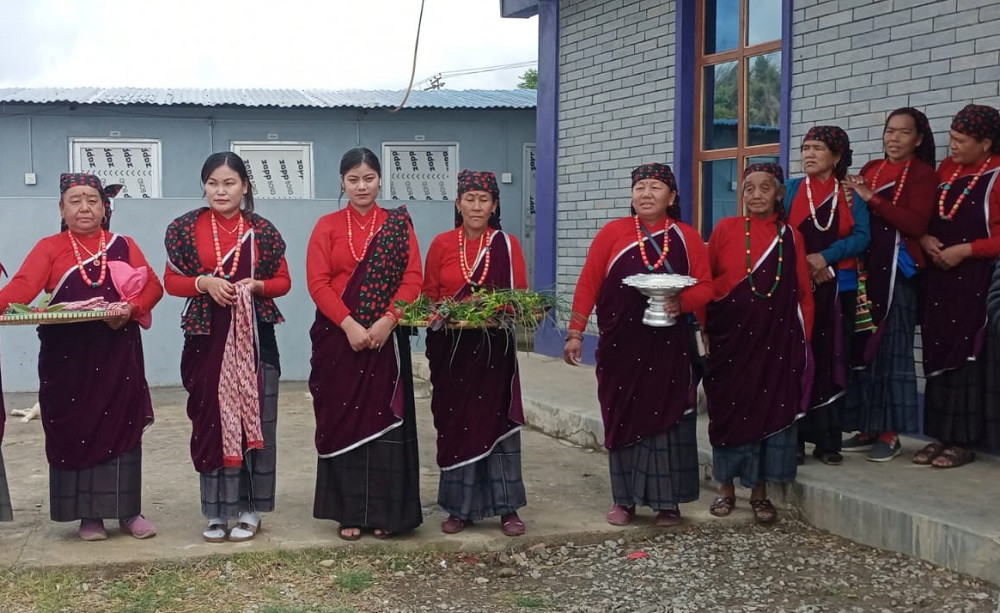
{"points": [[946, 517]]}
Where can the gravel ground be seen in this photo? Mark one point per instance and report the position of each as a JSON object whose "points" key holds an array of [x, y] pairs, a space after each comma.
{"points": [[788, 567]]}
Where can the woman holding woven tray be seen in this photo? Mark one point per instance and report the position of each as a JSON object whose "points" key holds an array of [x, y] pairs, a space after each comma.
{"points": [[359, 262], [477, 390], [229, 263], [92, 383], [645, 382]]}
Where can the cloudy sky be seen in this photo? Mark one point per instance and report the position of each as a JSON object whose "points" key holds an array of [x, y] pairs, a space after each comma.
{"points": [[328, 44]]}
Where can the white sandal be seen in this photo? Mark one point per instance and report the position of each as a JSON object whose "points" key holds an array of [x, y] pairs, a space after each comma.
{"points": [[246, 529], [217, 531]]}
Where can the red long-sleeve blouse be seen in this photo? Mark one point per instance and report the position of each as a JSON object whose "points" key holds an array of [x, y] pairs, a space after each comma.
{"points": [[619, 234], [728, 255], [983, 247], [912, 212], [443, 275], [52, 256], [330, 261], [179, 284]]}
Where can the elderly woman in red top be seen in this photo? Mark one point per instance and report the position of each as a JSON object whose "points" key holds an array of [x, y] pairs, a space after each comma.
{"points": [[833, 221], [477, 391], [759, 370], [959, 344], [360, 261], [644, 374], [881, 395], [93, 417], [229, 263]]}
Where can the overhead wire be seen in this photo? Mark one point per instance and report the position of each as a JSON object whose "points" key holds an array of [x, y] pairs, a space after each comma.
{"points": [[413, 71]]}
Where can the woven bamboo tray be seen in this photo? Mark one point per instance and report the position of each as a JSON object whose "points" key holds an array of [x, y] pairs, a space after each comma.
{"points": [[57, 317]]}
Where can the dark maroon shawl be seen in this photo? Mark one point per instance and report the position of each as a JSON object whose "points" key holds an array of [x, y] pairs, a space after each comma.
{"points": [[830, 375], [953, 318], [754, 394], [477, 388], [201, 367], [91, 379], [357, 395], [644, 381], [880, 262]]}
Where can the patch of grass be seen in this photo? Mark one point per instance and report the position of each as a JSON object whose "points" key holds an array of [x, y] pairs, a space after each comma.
{"points": [[527, 601], [42, 590], [354, 581]]}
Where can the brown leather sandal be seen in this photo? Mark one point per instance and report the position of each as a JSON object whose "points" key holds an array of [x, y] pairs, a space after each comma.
{"points": [[925, 456], [722, 506], [953, 457], [763, 511]]}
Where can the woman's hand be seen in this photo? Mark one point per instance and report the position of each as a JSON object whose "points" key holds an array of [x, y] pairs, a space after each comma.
{"points": [[819, 269], [357, 336], [573, 351], [951, 257], [256, 285], [858, 184], [120, 320], [931, 245], [379, 332], [672, 306], [221, 291]]}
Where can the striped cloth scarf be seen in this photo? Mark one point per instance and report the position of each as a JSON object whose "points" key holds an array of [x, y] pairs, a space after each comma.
{"points": [[239, 402]]}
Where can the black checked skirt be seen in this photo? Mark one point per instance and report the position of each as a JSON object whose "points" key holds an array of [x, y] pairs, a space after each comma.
{"points": [[228, 491], [883, 397], [823, 425], [659, 471], [772, 459], [489, 487], [376, 485], [110, 490], [6, 511]]}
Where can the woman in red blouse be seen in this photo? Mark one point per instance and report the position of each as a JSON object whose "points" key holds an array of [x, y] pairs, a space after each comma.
{"points": [[229, 263], [645, 383], [477, 391], [759, 370], [360, 261], [960, 344], [881, 398], [93, 417]]}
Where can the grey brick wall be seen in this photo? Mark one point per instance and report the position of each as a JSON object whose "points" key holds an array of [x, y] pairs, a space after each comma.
{"points": [[616, 99], [854, 61]]}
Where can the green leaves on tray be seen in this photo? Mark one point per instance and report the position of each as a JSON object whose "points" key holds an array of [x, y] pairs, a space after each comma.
{"points": [[483, 309]]}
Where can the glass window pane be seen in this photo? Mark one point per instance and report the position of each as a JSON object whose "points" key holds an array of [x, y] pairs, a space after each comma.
{"points": [[763, 99], [718, 193], [720, 110], [764, 21], [722, 25]]}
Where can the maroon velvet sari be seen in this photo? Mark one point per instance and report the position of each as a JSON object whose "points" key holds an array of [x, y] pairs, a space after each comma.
{"points": [[477, 389], [644, 379], [92, 383]]}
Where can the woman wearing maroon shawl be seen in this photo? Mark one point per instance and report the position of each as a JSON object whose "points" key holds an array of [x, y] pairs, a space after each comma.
{"points": [[759, 369], [360, 261], [881, 398], [477, 391], [960, 345], [833, 221], [92, 382], [229, 263], [644, 374]]}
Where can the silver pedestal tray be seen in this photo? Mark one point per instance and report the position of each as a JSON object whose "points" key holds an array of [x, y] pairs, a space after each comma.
{"points": [[658, 288]]}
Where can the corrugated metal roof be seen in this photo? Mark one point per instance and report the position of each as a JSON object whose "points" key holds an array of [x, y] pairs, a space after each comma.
{"points": [[282, 98]]}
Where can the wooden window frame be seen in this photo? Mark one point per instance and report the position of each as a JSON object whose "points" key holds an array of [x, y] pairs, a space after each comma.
{"points": [[742, 151]]}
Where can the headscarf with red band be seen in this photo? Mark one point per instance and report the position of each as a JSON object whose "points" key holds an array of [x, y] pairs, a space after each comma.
{"points": [[838, 142], [660, 172], [479, 181], [980, 122], [74, 179], [769, 167]]}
